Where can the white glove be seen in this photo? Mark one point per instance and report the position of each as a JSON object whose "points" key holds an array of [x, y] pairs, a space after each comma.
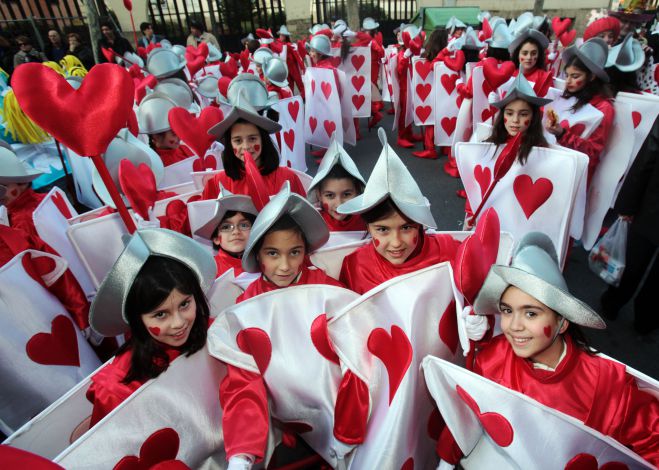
{"points": [[444, 465], [4, 216], [493, 97], [241, 462], [476, 325], [407, 54], [152, 222], [552, 55], [340, 449]]}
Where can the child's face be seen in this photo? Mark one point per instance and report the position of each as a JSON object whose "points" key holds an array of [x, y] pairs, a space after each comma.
{"points": [[167, 140], [333, 193], [394, 238], [530, 327], [517, 117], [608, 36], [13, 190], [575, 80], [528, 56], [171, 322], [315, 56], [281, 256], [233, 232], [246, 137]]}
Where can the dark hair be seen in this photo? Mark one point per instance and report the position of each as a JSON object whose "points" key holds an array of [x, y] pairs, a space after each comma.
{"points": [[338, 173], [228, 215], [533, 136], [234, 167], [595, 86], [285, 222], [253, 45], [107, 23], [499, 53], [154, 283], [540, 64], [436, 42], [197, 25], [579, 338], [345, 49], [74, 35], [145, 25], [622, 81], [471, 55], [383, 210], [24, 39]]}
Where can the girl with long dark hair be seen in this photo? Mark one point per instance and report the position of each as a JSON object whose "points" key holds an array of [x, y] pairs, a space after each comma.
{"points": [[527, 51]]}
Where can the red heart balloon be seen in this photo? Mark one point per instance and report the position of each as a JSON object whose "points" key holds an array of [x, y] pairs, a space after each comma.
{"points": [[194, 130], [139, 186], [85, 120], [128, 4], [560, 26], [567, 37], [195, 64]]}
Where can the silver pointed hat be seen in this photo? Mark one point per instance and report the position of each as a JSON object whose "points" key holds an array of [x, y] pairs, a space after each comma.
{"points": [[390, 179], [335, 155], [528, 33], [628, 56], [283, 203], [521, 89], [276, 71], [152, 113], [226, 201], [163, 62], [12, 170], [253, 88], [501, 36], [593, 53], [242, 109]]}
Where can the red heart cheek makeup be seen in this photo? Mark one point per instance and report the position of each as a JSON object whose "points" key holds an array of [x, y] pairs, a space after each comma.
{"points": [[154, 330]]}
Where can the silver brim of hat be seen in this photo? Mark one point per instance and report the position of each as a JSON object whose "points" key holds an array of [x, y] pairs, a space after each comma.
{"points": [[233, 202], [106, 314], [593, 67], [30, 175], [517, 95], [12, 170], [279, 84], [529, 34], [236, 113], [300, 210]]}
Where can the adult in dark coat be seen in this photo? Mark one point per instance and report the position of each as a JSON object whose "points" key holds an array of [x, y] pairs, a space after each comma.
{"points": [[639, 201], [81, 51], [55, 49], [111, 39]]}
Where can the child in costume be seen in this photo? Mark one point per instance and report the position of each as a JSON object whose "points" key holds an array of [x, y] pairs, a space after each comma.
{"points": [[527, 51], [229, 229], [337, 181], [294, 62], [604, 27], [156, 291], [152, 117], [586, 82], [413, 38], [396, 216], [543, 354], [242, 131], [275, 73]]}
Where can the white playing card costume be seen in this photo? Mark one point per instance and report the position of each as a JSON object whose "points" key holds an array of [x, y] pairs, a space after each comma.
{"points": [[357, 68], [545, 194], [43, 354], [424, 92], [446, 99], [382, 338], [500, 428], [291, 119], [324, 107], [266, 325]]}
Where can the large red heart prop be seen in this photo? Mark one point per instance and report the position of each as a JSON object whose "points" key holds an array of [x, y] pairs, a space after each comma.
{"points": [[195, 64], [159, 447], [200, 51], [294, 109], [61, 205], [358, 101], [57, 348], [84, 120], [194, 130], [357, 61], [531, 195], [423, 68], [423, 112], [496, 426], [483, 177], [320, 339], [448, 328], [567, 37], [560, 26], [203, 163], [256, 342], [358, 81], [448, 82], [109, 54], [139, 186], [150, 81], [38, 267], [497, 75], [423, 90], [289, 138], [448, 124], [589, 462], [457, 62], [395, 351]]}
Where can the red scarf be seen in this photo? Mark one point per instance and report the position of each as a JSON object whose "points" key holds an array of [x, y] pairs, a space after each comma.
{"points": [[350, 224], [307, 276], [171, 156], [226, 261]]}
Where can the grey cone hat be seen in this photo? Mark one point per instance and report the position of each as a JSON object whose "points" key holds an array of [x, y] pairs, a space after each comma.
{"points": [[214, 54], [468, 40], [454, 23], [593, 53], [521, 89], [391, 179], [152, 113], [534, 269], [12, 170], [528, 33], [276, 71], [628, 56], [163, 62], [299, 209], [261, 54], [283, 31], [179, 50], [501, 36], [107, 312], [370, 24], [207, 87], [176, 90], [226, 201], [242, 109], [252, 88], [335, 155]]}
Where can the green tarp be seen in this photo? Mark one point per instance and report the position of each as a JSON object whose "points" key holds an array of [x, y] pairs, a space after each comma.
{"points": [[431, 17]]}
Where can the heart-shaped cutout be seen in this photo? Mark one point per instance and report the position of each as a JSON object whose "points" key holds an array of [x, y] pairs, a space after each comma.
{"points": [[57, 348], [61, 205], [423, 68], [495, 425], [497, 74], [326, 88], [358, 101], [395, 352], [448, 82], [531, 194], [483, 176], [294, 109], [585, 461], [567, 37], [207, 163], [636, 118], [357, 61], [560, 26], [448, 124], [423, 112], [193, 130], [159, 447], [330, 127], [423, 90], [358, 81], [289, 138], [313, 122], [256, 342], [320, 339]]}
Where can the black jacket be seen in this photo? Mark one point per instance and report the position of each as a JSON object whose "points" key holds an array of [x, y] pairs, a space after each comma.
{"points": [[639, 195], [120, 46]]}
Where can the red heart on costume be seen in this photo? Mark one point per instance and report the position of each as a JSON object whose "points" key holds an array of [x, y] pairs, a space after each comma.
{"points": [[61, 205], [576, 128], [289, 138], [293, 109], [161, 446], [435, 424], [313, 87], [423, 68], [202, 164], [358, 101], [256, 342], [357, 61], [459, 100], [139, 186], [488, 113], [195, 64], [101, 106], [57, 348], [455, 63], [133, 126], [108, 53], [193, 130], [589, 462], [326, 87], [423, 112], [330, 127], [560, 26], [636, 118], [531, 195], [483, 176], [567, 37], [176, 217], [408, 465], [128, 4], [448, 328], [495, 74], [448, 124], [320, 339], [313, 122], [395, 352], [448, 82], [496, 426], [38, 267], [141, 84], [423, 90], [358, 81]]}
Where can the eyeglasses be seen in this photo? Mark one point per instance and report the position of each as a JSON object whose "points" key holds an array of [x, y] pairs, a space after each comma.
{"points": [[228, 228]]}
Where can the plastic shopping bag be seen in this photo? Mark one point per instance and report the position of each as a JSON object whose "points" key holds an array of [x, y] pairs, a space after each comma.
{"points": [[607, 258]]}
